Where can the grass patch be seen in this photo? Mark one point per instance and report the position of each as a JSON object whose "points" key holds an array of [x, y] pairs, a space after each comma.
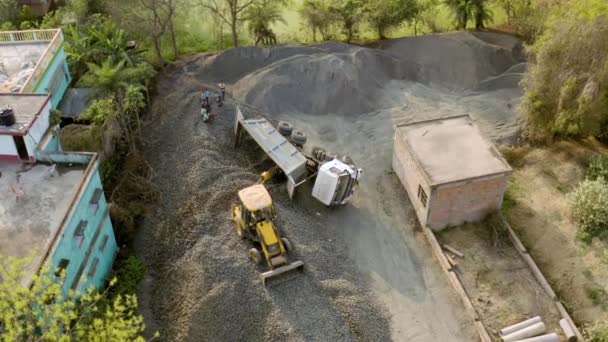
{"points": [[513, 192], [80, 138], [598, 297]]}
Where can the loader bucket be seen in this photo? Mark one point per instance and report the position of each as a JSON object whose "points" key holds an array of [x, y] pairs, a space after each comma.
{"points": [[268, 275]]}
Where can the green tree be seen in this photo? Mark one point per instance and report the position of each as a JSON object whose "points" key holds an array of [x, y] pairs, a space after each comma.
{"points": [[9, 11], [41, 312], [566, 90], [462, 10], [261, 16], [318, 16], [349, 13], [481, 13], [427, 15], [234, 12], [97, 41], [383, 15]]}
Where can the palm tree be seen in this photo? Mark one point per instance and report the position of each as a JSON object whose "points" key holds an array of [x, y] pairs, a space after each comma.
{"points": [[463, 10], [482, 13], [260, 16]]}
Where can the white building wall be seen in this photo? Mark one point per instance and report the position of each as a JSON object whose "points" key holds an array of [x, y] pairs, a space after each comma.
{"points": [[38, 129], [7, 146]]}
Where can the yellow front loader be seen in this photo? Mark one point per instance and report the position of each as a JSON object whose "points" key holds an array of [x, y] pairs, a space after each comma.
{"points": [[253, 217]]}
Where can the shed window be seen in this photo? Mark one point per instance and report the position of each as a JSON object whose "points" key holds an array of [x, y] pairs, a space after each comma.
{"points": [[63, 264], [79, 232], [93, 268], [103, 244], [422, 195], [95, 200]]}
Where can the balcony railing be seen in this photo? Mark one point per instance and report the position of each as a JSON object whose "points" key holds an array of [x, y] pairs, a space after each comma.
{"points": [[53, 36]]}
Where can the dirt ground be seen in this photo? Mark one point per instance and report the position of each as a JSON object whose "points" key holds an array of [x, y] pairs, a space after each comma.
{"points": [[540, 191], [369, 274], [500, 284]]}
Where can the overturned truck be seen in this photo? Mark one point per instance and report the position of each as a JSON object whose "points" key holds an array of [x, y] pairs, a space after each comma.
{"points": [[335, 179]]}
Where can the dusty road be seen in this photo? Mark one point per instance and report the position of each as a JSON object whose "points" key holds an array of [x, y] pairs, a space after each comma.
{"points": [[369, 274]]}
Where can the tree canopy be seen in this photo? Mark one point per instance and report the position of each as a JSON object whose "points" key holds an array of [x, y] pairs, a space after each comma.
{"points": [[41, 312]]}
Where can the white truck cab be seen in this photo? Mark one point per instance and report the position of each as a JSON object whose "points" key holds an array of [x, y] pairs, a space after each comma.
{"points": [[336, 182]]}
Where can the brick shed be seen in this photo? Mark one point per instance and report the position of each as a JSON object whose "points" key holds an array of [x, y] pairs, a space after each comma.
{"points": [[452, 174]]}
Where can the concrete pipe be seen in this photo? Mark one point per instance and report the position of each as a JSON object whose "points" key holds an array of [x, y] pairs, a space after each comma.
{"points": [[533, 330], [568, 331], [513, 328], [544, 338]]}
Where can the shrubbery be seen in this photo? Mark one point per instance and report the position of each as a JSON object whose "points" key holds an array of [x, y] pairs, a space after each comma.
{"points": [[566, 90], [598, 167], [598, 332], [590, 209]]}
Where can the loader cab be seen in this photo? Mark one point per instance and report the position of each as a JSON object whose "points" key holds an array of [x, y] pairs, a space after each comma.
{"points": [[256, 205]]}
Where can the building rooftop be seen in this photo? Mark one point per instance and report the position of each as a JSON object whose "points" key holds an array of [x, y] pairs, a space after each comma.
{"points": [[17, 62], [26, 107], [35, 199], [452, 149], [23, 57]]}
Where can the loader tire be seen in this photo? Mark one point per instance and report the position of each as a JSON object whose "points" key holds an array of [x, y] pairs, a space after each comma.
{"points": [[285, 128], [287, 244], [255, 256], [298, 137]]}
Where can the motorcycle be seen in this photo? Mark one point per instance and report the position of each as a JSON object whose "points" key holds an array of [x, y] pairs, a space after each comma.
{"points": [[208, 116]]}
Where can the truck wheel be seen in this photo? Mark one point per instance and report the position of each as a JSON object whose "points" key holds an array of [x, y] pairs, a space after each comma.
{"points": [[287, 244], [255, 256], [298, 137], [285, 128], [319, 153], [347, 160]]}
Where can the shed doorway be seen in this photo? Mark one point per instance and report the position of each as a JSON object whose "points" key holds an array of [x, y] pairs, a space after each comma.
{"points": [[21, 148]]}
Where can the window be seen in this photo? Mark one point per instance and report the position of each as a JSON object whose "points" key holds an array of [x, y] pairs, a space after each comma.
{"points": [[79, 232], [422, 195], [95, 200], [93, 268], [63, 264], [104, 242]]}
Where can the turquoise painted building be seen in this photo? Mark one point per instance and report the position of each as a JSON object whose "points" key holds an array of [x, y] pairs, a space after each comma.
{"points": [[52, 201]]}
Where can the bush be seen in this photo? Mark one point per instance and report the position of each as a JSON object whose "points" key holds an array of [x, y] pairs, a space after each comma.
{"points": [[130, 272], [598, 167], [590, 209], [514, 155], [598, 332], [566, 93]]}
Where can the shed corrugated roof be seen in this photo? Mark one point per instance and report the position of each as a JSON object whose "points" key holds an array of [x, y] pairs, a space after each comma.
{"points": [[452, 149]]}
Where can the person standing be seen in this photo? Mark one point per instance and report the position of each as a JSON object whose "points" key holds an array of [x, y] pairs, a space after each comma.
{"points": [[222, 87]]}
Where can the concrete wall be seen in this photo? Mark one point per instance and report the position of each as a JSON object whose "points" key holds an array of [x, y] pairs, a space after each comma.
{"points": [[56, 78], [7, 147], [410, 176], [455, 204], [38, 130], [90, 258]]}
